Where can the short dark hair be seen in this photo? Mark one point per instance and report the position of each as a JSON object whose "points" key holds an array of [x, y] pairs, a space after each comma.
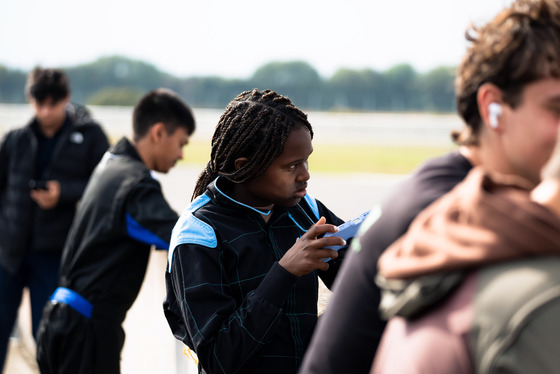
{"points": [[165, 106], [518, 47], [255, 124], [44, 83]]}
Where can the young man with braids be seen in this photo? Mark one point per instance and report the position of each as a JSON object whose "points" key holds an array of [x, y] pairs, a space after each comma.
{"points": [[244, 257], [123, 214], [508, 94]]}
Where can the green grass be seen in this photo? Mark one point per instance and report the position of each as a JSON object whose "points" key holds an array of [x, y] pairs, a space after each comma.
{"points": [[367, 158], [345, 158]]}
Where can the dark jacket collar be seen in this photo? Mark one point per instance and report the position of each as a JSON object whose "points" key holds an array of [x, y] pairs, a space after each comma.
{"points": [[125, 148], [36, 128]]}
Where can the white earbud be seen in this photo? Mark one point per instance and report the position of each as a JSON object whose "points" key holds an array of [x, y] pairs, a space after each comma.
{"points": [[494, 110]]}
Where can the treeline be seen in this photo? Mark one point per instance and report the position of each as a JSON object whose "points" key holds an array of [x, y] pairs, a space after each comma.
{"points": [[118, 80]]}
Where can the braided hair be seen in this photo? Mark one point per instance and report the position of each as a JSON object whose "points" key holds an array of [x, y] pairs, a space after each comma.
{"points": [[254, 125]]}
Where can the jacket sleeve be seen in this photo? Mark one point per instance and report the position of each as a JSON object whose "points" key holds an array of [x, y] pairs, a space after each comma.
{"points": [[225, 334], [71, 190], [149, 218], [334, 265]]}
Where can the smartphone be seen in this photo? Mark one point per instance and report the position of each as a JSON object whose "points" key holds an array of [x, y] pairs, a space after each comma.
{"points": [[347, 230], [38, 184]]}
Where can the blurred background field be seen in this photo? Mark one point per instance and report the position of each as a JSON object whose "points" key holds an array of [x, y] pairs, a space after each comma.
{"points": [[346, 158], [344, 142]]}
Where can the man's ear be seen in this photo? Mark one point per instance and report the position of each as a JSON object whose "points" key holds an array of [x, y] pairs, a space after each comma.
{"points": [[157, 131], [240, 162], [489, 95]]}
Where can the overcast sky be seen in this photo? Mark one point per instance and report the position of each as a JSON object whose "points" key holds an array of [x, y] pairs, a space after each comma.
{"points": [[233, 38]]}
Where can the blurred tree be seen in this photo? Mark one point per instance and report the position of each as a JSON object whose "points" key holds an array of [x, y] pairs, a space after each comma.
{"points": [[120, 96], [402, 88], [12, 85], [117, 80], [437, 89], [296, 79], [115, 71], [211, 92], [357, 90]]}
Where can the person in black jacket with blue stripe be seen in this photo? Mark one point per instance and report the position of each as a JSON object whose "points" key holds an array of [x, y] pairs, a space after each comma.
{"points": [[244, 257], [44, 169], [123, 214]]}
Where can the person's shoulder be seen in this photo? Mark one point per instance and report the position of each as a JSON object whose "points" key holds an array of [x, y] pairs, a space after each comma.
{"points": [[13, 134], [529, 277], [79, 113], [191, 228], [502, 317], [81, 117], [444, 171], [452, 161]]}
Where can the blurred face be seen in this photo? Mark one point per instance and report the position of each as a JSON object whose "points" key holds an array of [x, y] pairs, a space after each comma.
{"points": [[530, 130], [285, 181], [49, 114], [169, 149]]}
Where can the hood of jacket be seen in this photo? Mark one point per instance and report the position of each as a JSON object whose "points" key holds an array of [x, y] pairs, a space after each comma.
{"points": [[485, 219]]}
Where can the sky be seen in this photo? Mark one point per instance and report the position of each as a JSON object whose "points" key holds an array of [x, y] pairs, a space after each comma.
{"points": [[231, 39]]}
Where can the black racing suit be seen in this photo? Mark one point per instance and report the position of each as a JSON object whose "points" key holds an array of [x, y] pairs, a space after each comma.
{"points": [[122, 215], [227, 296]]}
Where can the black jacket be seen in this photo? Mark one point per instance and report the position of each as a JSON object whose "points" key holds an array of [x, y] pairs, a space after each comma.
{"points": [[228, 298], [121, 215], [24, 226]]}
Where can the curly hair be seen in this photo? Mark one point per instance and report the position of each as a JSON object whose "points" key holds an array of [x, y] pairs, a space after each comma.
{"points": [[254, 125], [519, 46]]}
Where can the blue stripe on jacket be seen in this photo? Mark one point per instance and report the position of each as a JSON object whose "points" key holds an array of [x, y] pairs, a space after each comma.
{"points": [[142, 234]]}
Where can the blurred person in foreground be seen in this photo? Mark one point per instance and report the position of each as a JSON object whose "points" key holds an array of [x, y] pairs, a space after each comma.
{"points": [[474, 285], [44, 169], [508, 94], [123, 214]]}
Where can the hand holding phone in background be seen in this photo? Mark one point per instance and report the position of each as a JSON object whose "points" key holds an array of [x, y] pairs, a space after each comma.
{"points": [[45, 193]]}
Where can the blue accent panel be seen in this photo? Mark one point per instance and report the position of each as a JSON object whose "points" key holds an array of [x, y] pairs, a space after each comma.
{"points": [[191, 230], [313, 204], [74, 300], [297, 224], [142, 234]]}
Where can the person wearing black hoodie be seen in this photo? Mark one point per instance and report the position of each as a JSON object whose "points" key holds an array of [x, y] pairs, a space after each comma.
{"points": [[44, 169]]}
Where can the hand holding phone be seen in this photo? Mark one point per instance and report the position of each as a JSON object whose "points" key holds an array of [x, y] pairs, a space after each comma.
{"points": [[347, 230]]}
